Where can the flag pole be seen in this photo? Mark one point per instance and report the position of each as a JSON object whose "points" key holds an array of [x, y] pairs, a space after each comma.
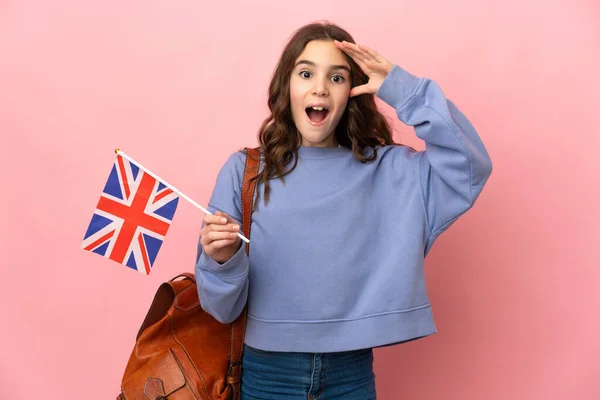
{"points": [[174, 189]]}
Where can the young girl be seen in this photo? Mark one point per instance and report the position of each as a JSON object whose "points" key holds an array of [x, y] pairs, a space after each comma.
{"points": [[343, 222]]}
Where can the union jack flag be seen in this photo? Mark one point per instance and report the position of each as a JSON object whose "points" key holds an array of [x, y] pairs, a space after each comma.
{"points": [[132, 217]]}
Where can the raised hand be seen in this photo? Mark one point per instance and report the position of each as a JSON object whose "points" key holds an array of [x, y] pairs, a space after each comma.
{"points": [[373, 65]]}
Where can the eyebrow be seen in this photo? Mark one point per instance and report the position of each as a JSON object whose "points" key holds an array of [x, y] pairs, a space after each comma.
{"points": [[312, 64]]}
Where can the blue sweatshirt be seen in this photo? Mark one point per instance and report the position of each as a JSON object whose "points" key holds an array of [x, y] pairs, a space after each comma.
{"points": [[336, 257]]}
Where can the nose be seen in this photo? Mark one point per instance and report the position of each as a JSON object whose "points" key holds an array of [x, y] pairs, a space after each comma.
{"points": [[320, 87]]}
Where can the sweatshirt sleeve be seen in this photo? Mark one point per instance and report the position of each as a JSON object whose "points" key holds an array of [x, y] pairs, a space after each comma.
{"points": [[455, 165], [223, 288]]}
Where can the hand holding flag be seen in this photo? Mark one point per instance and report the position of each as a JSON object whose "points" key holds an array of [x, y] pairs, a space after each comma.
{"points": [[133, 215]]}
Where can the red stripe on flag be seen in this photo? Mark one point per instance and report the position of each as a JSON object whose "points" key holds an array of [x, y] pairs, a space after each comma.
{"points": [[100, 241], [144, 253], [124, 178], [165, 193], [133, 217]]}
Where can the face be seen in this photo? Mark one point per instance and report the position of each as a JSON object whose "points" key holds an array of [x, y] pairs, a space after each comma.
{"points": [[319, 91]]}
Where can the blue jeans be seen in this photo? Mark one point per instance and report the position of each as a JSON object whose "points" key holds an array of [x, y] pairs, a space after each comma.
{"points": [[307, 376]]}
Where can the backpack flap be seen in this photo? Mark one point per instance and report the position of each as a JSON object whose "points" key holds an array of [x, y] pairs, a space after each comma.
{"points": [[161, 376]]}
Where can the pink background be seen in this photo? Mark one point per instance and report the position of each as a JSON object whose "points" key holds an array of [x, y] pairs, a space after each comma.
{"points": [[180, 85]]}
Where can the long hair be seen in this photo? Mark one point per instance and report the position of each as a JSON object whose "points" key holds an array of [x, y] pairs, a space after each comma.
{"points": [[361, 125]]}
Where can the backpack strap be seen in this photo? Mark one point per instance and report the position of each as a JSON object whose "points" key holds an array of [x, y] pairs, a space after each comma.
{"points": [[239, 325], [248, 190]]}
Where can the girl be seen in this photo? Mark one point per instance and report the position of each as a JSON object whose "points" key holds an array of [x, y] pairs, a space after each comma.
{"points": [[343, 220]]}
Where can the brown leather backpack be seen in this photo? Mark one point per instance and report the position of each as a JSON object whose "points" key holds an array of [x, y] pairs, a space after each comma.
{"points": [[182, 352]]}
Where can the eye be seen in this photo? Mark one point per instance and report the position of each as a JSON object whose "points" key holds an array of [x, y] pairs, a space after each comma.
{"points": [[305, 74], [338, 79]]}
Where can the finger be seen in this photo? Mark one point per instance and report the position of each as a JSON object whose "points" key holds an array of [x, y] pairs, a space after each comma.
{"points": [[231, 227], [351, 50], [365, 64], [358, 90], [219, 244], [372, 53], [230, 219], [214, 247], [214, 236], [232, 222], [356, 55], [217, 218], [363, 52], [361, 62], [358, 60]]}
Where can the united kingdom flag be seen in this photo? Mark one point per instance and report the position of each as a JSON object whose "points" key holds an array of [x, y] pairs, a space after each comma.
{"points": [[132, 217]]}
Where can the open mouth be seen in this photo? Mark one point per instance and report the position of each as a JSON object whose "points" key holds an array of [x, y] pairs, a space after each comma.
{"points": [[317, 114]]}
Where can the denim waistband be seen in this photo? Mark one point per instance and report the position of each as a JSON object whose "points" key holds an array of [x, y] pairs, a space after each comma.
{"points": [[286, 375]]}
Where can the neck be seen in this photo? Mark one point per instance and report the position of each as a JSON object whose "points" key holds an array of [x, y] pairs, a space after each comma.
{"points": [[327, 143], [322, 152]]}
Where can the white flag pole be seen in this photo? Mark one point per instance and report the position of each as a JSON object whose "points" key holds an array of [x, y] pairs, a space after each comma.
{"points": [[174, 189]]}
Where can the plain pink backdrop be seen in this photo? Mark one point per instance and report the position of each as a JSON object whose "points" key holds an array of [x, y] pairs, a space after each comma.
{"points": [[180, 85]]}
